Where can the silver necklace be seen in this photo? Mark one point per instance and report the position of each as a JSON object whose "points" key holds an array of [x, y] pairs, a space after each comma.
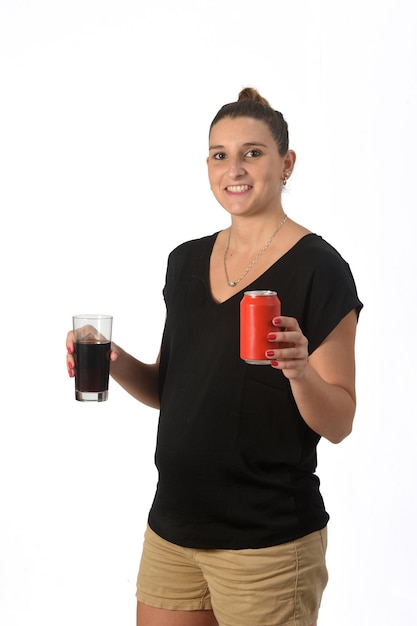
{"points": [[233, 283]]}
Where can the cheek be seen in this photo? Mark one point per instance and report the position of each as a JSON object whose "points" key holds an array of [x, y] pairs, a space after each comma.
{"points": [[215, 191], [214, 177]]}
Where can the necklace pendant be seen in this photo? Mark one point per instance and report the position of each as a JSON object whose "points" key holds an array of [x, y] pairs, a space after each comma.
{"points": [[232, 283]]}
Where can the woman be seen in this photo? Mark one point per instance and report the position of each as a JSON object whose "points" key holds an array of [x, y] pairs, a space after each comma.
{"points": [[237, 529]]}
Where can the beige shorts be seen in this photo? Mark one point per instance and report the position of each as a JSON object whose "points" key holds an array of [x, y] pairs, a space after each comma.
{"points": [[277, 586]]}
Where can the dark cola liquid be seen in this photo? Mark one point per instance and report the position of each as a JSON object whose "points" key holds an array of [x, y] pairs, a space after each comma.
{"points": [[92, 362]]}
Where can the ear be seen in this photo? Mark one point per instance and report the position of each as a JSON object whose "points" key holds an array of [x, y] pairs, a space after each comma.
{"points": [[289, 160]]}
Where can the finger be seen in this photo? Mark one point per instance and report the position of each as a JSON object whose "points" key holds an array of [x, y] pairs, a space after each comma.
{"points": [[114, 355], [70, 366], [70, 352], [70, 342], [285, 322], [291, 369], [287, 337], [288, 353]]}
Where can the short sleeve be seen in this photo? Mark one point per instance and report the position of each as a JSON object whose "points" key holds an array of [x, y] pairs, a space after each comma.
{"points": [[331, 295]]}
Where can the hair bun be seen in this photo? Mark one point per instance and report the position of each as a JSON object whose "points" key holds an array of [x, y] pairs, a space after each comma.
{"points": [[249, 93], [251, 104]]}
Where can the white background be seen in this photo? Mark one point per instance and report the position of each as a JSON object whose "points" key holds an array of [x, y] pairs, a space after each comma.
{"points": [[104, 115]]}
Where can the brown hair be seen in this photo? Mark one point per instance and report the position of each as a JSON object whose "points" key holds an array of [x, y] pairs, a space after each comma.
{"points": [[251, 104]]}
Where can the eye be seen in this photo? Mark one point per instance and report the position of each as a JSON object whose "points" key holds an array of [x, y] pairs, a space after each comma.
{"points": [[253, 153], [219, 156]]}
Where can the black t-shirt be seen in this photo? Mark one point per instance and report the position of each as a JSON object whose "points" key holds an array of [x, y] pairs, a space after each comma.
{"points": [[236, 460]]}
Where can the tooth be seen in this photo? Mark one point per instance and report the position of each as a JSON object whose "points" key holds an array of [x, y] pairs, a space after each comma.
{"points": [[238, 188]]}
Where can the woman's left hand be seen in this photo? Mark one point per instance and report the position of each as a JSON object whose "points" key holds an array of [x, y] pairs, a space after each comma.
{"points": [[290, 352]]}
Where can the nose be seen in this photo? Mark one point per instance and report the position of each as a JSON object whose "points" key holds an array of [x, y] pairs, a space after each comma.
{"points": [[236, 169]]}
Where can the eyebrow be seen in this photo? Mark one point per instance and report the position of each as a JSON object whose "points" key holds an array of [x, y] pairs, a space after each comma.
{"points": [[245, 145]]}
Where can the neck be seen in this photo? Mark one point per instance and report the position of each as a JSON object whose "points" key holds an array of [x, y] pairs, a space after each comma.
{"points": [[234, 282], [252, 233]]}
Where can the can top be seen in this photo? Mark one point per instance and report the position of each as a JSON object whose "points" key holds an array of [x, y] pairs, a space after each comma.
{"points": [[260, 292]]}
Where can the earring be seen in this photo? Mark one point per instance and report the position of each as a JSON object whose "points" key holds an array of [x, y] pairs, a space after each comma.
{"points": [[286, 177]]}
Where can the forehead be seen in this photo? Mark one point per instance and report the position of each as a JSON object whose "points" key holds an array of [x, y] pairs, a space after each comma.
{"points": [[240, 130]]}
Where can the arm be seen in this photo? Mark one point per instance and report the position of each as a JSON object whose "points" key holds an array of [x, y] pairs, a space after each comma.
{"points": [[137, 378], [323, 384]]}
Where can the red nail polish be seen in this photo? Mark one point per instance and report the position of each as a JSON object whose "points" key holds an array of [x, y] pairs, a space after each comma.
{"points": [[274, 363], [270, 353], [277, 321], [271, 336], [69, 350]]}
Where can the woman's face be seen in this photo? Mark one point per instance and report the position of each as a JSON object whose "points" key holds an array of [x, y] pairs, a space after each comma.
{"points": [[244, 166]]}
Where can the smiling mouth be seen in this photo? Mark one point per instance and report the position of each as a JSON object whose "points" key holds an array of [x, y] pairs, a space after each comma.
{"points": [[238, 188]]}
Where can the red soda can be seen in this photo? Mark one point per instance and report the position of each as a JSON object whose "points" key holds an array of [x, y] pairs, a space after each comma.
{"points": [[257, 309]]}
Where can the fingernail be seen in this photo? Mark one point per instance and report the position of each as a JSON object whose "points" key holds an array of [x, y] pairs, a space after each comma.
{"points": [[271, 336], [270, 353], [274, 363], [69, 349], [276, 321]]}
